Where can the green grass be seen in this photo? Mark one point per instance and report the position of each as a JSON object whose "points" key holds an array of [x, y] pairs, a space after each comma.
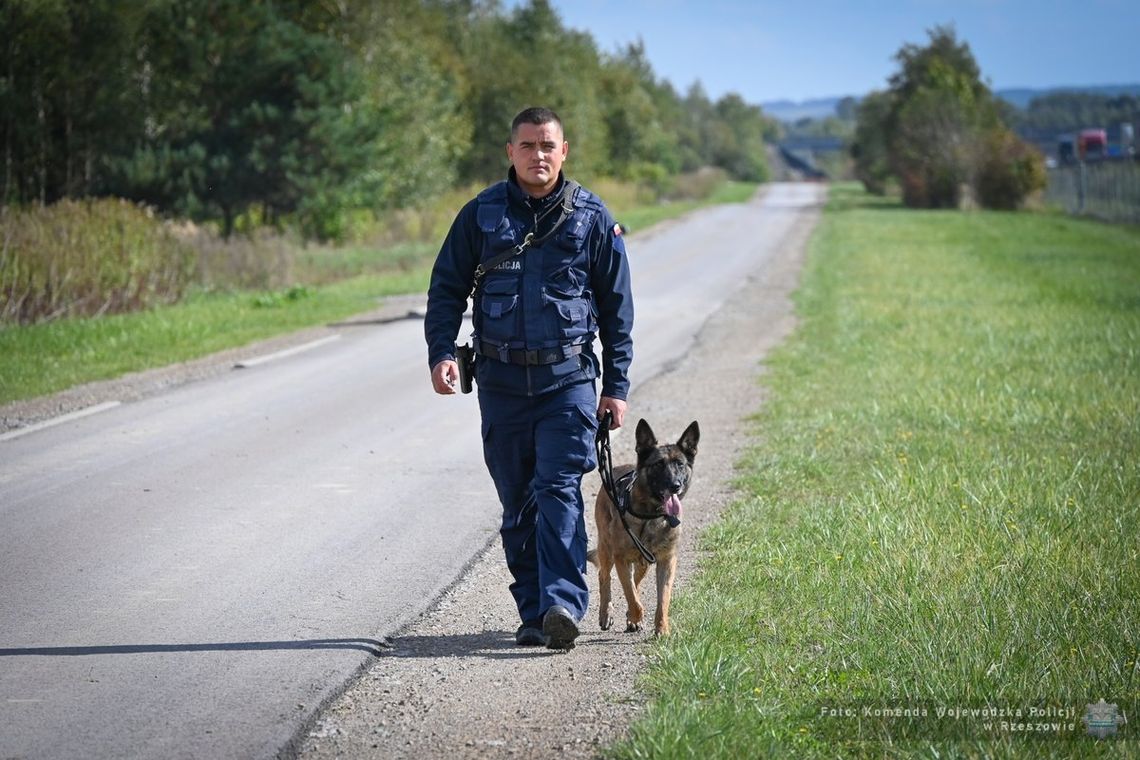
{"points": [[49, 357], [942, 507]]}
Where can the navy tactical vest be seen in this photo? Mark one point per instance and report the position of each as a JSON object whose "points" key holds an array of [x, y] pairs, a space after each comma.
{"points": [[541, 298]]}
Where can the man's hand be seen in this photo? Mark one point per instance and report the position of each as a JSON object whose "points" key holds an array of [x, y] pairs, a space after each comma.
{"points": [[615, 405], [444, 376]]}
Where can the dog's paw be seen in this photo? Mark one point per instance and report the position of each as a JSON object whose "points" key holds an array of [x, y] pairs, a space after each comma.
{"points": [[606, 623], [633, 628]]}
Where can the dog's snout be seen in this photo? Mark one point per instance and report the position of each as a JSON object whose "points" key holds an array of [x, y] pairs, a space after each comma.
{"points": [[678, 484]]}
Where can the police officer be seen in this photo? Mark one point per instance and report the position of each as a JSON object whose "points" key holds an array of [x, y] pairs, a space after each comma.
{"points": [[549, 271]]}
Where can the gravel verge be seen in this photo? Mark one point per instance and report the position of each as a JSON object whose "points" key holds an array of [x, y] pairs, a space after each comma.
{"points": [[455, 685]]}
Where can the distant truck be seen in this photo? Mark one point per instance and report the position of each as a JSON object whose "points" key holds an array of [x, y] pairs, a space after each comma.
{"points": [[1097, 144], [1092, 143]]}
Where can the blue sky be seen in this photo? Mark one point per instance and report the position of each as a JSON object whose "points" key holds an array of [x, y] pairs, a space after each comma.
{"points": [[774, 50]]}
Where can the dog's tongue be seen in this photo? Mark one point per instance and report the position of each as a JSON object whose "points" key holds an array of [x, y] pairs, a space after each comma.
{"points": [[672, 506]]}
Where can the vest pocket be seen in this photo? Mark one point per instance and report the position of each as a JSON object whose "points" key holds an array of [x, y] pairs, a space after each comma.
{"points": [[498, 306], [573, 318], [562, 284]]}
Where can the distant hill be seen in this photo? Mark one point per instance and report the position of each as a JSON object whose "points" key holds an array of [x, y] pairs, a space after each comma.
{"points": [[821, 108]]}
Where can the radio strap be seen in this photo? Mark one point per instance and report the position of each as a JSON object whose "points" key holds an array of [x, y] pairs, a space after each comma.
{"points": [[569, 191]]}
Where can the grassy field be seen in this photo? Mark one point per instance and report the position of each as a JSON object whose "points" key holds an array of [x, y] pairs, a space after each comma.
{"points": [[939, 517], [44, 358], [52, 356]]}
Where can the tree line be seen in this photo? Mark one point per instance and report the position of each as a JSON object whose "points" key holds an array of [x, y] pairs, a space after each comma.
{"points": [[1045, 116], [1059, 112], [302, 113]]}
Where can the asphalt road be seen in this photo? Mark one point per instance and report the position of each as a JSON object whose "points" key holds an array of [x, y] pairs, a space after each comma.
{"points": [[192, 574]]}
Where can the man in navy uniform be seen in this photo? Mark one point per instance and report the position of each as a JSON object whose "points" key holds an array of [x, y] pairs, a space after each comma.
{"points": [[548, 266]]}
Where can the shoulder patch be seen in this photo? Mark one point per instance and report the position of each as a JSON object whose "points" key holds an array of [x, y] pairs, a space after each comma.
{"points": [[617, 229]]}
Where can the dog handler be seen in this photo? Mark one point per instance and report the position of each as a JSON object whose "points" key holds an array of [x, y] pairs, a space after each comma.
{"points": [[549, 271]]}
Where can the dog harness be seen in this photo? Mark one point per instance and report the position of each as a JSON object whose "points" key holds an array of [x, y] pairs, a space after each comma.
{"points": [[621, 490]]}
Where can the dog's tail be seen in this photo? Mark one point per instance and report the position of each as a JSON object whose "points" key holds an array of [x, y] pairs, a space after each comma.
{"points": [[592, 557]]}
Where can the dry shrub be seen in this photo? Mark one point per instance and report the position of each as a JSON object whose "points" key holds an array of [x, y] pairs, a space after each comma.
{"points": [[85, 258], [263, 259], [621, 195], [697, 185], [1009, 171]]}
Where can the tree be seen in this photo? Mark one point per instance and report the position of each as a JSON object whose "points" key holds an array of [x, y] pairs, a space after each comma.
{"points": [[641, 147], [740, 151], [870, 147], [411, 79], [935, 129], [525, 59], [260, 113], [939, 108], [67, 94]]}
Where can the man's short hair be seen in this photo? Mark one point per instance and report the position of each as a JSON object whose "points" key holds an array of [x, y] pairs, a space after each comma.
{"points": [[537, 116]]}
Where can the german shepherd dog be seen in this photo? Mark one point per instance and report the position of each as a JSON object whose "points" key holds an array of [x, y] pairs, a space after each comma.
{"points": [[663, 475]]}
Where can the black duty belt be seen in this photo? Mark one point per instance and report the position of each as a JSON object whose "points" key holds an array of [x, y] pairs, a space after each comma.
{"points": [[526, 358]]}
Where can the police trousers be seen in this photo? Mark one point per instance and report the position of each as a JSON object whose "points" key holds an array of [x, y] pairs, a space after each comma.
{"points": [[537, 449]]}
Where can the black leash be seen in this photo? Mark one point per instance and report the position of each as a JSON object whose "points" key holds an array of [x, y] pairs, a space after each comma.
{"points": [[621, 490]]}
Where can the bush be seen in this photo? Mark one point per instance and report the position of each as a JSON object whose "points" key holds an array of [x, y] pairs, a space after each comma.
{"points": [[85, 258], [258, 260], [697, 185], [1009, 170], [936, 184], [653, 176]]}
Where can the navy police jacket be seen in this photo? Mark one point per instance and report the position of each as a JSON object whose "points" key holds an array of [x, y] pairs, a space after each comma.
{"points": [[562, 293]]}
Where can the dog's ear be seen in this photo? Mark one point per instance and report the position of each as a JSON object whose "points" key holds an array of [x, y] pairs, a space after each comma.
{"points": [[645, 439], [687, 443]]}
